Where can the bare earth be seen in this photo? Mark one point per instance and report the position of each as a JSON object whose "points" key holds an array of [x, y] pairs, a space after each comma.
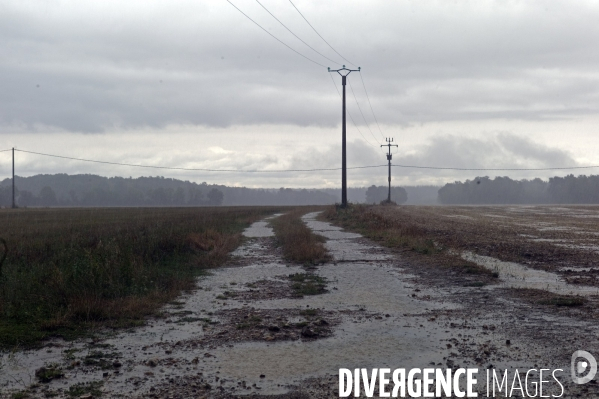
{"points": [[245, 331]]}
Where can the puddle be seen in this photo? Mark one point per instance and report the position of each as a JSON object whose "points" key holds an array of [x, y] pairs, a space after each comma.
{"points": [[362, 279], [342, 245], [260, 229], [497, 216], [515, 275]]}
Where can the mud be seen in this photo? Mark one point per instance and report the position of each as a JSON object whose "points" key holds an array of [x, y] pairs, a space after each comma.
{"points": [[245, 331], [547, 238], [515, 275]]}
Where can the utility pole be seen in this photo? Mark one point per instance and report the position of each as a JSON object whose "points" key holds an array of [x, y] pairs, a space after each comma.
{"points": [[14, 205], [389, 156], [343, 72]]}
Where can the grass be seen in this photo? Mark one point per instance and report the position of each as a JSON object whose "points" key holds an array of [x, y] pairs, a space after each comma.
{"points": [[307, 284], [80, 389], [568, 301], [299, 243], [405, 236], [250, 322], [310, 312], [542, 297], [49, 373], [71, 270]]}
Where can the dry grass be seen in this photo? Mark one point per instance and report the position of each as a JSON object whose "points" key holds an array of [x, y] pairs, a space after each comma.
{"points": [[69, 270], [542, 297], [407, 235], [299, 243], [562, 240]]}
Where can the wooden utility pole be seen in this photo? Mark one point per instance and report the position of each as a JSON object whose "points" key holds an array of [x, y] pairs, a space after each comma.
{"points": [[389, 156], [14, 204], [343, 72]]}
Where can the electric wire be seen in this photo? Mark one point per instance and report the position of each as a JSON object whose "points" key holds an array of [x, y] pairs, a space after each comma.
{"points": [[362, 113], [496, 169], [314, 29], [371, 109], [197, 169], [298, 38], [304, 170], [10, 149], [349, 113], [363, 83], [274, 37]]}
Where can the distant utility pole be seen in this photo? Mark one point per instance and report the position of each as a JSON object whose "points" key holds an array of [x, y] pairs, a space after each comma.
{"points": [[14, 204], [343, 72], [389, 156]]}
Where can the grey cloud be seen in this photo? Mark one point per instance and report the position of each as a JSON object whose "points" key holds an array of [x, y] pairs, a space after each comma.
{"points": [[503, 150], [106, 65]]}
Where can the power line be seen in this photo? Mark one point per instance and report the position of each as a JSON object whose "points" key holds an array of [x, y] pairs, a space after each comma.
{"points": [[496, 169], [195, 169], [349, 113], [274, 37], [366, 91], [10, 149], [314, 29], [302, 170], [363, 84], [298, 38], [360, 108]]}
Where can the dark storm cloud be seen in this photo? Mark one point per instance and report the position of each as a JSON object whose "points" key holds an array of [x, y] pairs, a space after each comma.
{"points": [[94, 66]]}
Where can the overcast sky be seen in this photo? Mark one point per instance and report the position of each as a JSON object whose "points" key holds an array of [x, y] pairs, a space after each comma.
{"points": [[195, 84]]}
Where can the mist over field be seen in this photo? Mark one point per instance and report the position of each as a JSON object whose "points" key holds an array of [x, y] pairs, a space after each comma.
{"points": [[92, 190]]}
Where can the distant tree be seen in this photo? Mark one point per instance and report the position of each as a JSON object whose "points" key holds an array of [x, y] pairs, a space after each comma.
{"points": [[196, 196], [375, 195], [26, 198], [47, 197], [160, 196], [73, 197], [5, 196], [501, 190], [574, 190], [179, 196], [215, 197]]}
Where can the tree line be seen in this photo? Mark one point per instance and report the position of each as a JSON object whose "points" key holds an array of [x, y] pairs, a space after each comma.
{"points": [[503, 190], [93, 190]]}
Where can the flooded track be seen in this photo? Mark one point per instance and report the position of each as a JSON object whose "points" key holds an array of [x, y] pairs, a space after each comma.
{"points": [[244, 332]]}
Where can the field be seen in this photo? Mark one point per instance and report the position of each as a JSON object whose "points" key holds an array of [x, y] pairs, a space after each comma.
{"points": [[281, 305], [563, 240], [71, 270]]}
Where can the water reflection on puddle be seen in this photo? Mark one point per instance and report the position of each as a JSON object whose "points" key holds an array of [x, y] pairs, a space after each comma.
{"points": [[515, 275], [367, 281]]}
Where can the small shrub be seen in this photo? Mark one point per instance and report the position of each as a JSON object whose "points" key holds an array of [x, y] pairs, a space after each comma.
{"points": [[80, 389], [568, 301], [307, 284]]}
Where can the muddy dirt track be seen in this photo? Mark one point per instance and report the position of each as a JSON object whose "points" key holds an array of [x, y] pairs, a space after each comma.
{"points": [[249, 330]]}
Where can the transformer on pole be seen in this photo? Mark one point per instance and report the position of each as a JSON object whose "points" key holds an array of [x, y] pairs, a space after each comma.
{"points": [[389, 157]]}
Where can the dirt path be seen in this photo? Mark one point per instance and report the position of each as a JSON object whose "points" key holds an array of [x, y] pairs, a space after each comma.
{"points": [[247, 330]]}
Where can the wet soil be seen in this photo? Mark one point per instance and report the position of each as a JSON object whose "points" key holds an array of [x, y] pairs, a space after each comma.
{"points": [[246, 332], [563, 240]]}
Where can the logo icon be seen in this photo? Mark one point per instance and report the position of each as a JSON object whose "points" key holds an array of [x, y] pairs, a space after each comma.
{"points": [[579, 367]]}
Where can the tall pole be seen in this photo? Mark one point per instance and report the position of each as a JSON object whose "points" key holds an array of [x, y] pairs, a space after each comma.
{"points": [[389, 157], [14, 205], [343, 72], [343, 153]]}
